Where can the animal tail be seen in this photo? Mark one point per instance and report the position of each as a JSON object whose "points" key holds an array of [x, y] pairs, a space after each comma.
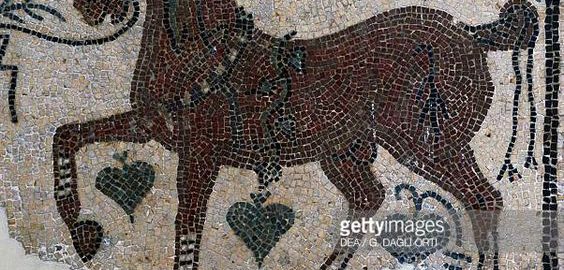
{"points": [[516, 29]]}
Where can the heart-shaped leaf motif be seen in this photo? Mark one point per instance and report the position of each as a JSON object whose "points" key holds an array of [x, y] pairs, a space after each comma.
{"points": [[260, 227], [126, 186], [414, 238]]}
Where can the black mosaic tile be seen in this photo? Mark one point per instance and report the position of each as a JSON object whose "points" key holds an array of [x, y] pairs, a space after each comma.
{"points": [[212, 87]]}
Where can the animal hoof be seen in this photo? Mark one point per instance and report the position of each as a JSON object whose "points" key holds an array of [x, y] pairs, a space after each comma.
{"points": [[86, 238]]}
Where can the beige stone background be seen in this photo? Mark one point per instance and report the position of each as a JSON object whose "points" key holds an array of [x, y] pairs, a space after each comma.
{"points": [[60, 84]]}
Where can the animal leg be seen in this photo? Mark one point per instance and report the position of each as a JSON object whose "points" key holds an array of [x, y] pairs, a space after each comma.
{"points": [[68, 139], [196, 177], [364, 193], [459, 174], [484, 204]]}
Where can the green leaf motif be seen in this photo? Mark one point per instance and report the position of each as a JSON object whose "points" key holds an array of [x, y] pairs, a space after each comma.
{"points": [[127, 186]]}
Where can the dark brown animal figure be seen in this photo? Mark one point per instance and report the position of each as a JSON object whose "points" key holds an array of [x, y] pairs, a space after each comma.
{"points": [[217, 91]]}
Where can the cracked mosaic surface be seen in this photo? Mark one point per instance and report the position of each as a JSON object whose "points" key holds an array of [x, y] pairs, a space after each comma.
{"points": [[195, 134]]}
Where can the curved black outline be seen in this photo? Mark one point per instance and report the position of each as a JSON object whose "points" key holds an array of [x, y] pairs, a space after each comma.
{"points": [[80, 42], [71, 42]]}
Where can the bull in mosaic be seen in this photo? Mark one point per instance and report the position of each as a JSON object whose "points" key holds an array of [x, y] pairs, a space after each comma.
{"points": [[217, 91]]}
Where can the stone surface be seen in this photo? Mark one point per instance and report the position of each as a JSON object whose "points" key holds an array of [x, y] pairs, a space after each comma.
{"points": [[303, 157], [12, 254]]}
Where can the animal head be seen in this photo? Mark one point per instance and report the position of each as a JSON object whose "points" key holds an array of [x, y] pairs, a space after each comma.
{"points": [[95, 12]]}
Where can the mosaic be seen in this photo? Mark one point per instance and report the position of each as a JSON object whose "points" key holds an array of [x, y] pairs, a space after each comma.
{"points": [[334, 134]]}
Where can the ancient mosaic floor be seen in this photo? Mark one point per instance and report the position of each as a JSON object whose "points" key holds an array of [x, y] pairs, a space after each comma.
{"points": [[278, 134]]}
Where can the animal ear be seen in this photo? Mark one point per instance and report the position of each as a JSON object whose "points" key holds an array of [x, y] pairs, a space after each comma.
{"points": [[180, 21], [187, 19]]}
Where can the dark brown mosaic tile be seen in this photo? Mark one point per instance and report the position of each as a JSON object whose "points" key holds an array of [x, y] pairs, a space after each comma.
{"points": [[212, 87]]}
